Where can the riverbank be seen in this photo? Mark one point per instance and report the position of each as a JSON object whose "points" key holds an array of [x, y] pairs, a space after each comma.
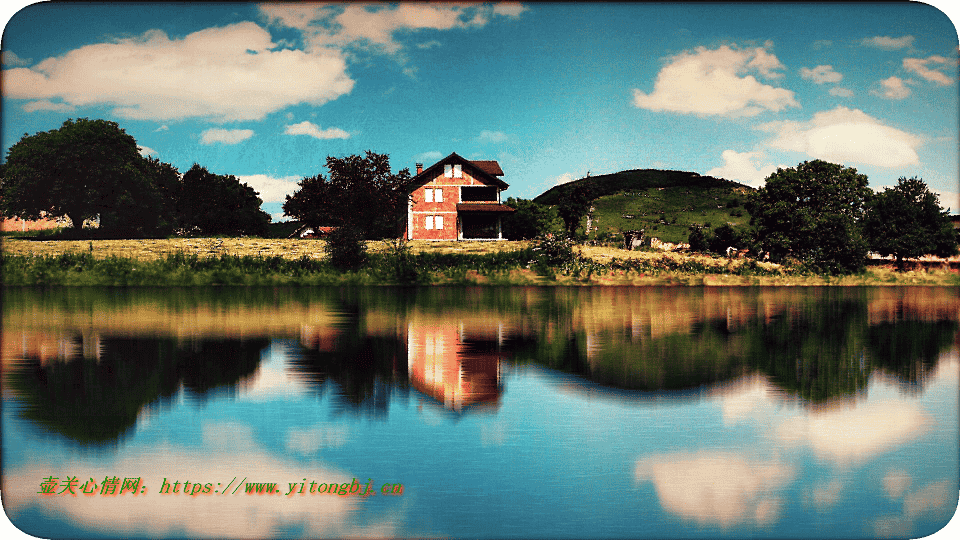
{"points": [[270, 262]]}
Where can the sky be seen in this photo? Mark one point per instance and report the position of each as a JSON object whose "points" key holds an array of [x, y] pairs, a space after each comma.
{"points": [[266, 92]]}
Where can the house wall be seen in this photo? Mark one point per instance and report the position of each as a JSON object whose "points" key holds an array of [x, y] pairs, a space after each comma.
{"points": [[420, 209]]}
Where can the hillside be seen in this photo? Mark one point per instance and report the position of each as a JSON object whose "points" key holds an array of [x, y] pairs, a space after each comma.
{"points": [[663, 203]]}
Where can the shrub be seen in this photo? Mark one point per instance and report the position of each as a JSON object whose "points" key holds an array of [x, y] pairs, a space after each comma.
{"points": [[346, 248]]}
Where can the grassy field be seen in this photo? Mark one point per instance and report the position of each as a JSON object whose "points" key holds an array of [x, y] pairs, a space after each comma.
{"points": [[254, 261]]}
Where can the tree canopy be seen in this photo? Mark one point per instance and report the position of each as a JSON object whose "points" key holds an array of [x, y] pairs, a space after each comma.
{"points": [[528, 221], [813, 212], [361, 192], [572, 206], [84, 169], [907, 221], [215, 204]]}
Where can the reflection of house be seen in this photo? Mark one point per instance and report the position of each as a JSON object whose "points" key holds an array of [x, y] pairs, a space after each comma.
{"points": [[456, 199], [457, 365]]}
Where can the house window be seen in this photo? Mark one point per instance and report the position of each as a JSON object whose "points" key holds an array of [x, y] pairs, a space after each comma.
{"points": [[438, 196], [428, 222], [433, 195], [428, 195], [453, 171], [433, 222], [438, 221]]}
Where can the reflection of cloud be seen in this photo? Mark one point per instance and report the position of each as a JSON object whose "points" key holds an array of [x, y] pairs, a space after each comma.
{"points": [[722, 489], [827, 495], [216, 515], [932, 498], [309, 441], [855, 434], [895, 483], [891, 527]]}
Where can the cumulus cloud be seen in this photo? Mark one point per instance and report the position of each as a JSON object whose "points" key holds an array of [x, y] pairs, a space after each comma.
{"points": [[147, 151], [162, 128], [10, 59], [717, 489], [841, 92], [919, 66], [492, 136], [821, 74], [428, 157], [313, 130], [886, 42], [47, 105], [377, 27], [743, 167], [222, 74], [717, 82], [225, 136], [846, 136], [271, 189], [563, 179], [893, 88]]}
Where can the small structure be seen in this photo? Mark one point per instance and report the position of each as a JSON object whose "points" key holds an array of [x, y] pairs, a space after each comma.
{"points": [[632, 239], [456, 199]]}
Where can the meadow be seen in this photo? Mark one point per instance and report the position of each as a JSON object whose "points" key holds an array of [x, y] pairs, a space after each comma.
{"points": [[257, 261]]}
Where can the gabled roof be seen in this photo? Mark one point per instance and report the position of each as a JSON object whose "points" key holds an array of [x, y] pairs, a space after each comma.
{"points": [[484, 170]]}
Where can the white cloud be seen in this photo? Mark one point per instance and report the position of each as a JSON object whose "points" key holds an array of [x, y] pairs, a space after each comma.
{"points": [[893, 88], [271, 189], [857, 434], [313, 130], [225, 136], [509, 9], [9, 58], [841, 92], [562, 179], [717, 489], [428, 157], [377, 27], [889, 43], [716, 82], [846, 136], [821, 74], [161, 128], [743, 167], [221, 74], [919, 66], [47, 105], [492, 136], [147, 151]]}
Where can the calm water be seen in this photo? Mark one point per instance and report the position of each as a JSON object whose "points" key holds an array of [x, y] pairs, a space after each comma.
{"points": [[523, 412]]}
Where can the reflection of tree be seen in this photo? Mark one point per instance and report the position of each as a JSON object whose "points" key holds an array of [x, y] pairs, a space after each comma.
{"points": [[909, 349], [97, 399]]}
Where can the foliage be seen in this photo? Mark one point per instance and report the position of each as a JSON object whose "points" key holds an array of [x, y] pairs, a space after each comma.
{"points": [[346, 248], [213, 204], [907, 221], [813, 212], [83, 170], [699, 242], [361, 192], [573, 206], [529, 220]]}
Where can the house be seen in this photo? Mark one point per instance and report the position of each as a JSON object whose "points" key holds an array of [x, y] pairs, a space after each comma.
{"points": [[456, 199]]}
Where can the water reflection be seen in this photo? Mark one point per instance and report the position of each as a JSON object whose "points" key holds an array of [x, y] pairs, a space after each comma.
{"points": [[670, 412]]}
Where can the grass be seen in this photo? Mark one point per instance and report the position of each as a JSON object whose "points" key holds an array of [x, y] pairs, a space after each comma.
{"points": [[254, 261]]}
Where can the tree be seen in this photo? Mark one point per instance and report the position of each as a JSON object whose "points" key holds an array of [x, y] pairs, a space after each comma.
{"points": [[361, 192], [573, 206], [907, 221], [529, 221], [813, 212], [215, 204], [84, 169]]}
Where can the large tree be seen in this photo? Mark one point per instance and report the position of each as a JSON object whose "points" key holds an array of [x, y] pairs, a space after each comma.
{"points": [[529, 221], [907, 221], [813, 212], [361, 192], [573, 206], [83, 170], [214, 204]]}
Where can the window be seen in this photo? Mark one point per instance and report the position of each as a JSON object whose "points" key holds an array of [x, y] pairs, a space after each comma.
{"points": [[448, 171], [428, 195], [438, 221], [438, 196], [457, 171], [428, 222]]}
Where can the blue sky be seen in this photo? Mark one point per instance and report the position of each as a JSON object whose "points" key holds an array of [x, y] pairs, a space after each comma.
{"points": [[552, 91]]}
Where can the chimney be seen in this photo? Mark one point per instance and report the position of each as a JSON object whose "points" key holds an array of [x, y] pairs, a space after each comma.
{"points": [[419, 168]]}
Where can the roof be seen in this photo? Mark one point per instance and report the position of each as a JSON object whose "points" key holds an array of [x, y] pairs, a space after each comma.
{"points": [[484, 170], [489, 167], [483, 207]]}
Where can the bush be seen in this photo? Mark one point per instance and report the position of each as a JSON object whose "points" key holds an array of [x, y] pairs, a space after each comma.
{"points": [[346, 248]]}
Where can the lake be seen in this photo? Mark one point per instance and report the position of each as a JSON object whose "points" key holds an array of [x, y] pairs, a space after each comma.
{"points": [[481, 412]]}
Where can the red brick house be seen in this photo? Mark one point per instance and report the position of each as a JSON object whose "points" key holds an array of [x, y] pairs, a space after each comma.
{"points": [[456, 199]]}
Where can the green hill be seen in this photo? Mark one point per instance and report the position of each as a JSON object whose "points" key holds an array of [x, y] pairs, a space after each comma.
{"points": [[663, 203]]}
